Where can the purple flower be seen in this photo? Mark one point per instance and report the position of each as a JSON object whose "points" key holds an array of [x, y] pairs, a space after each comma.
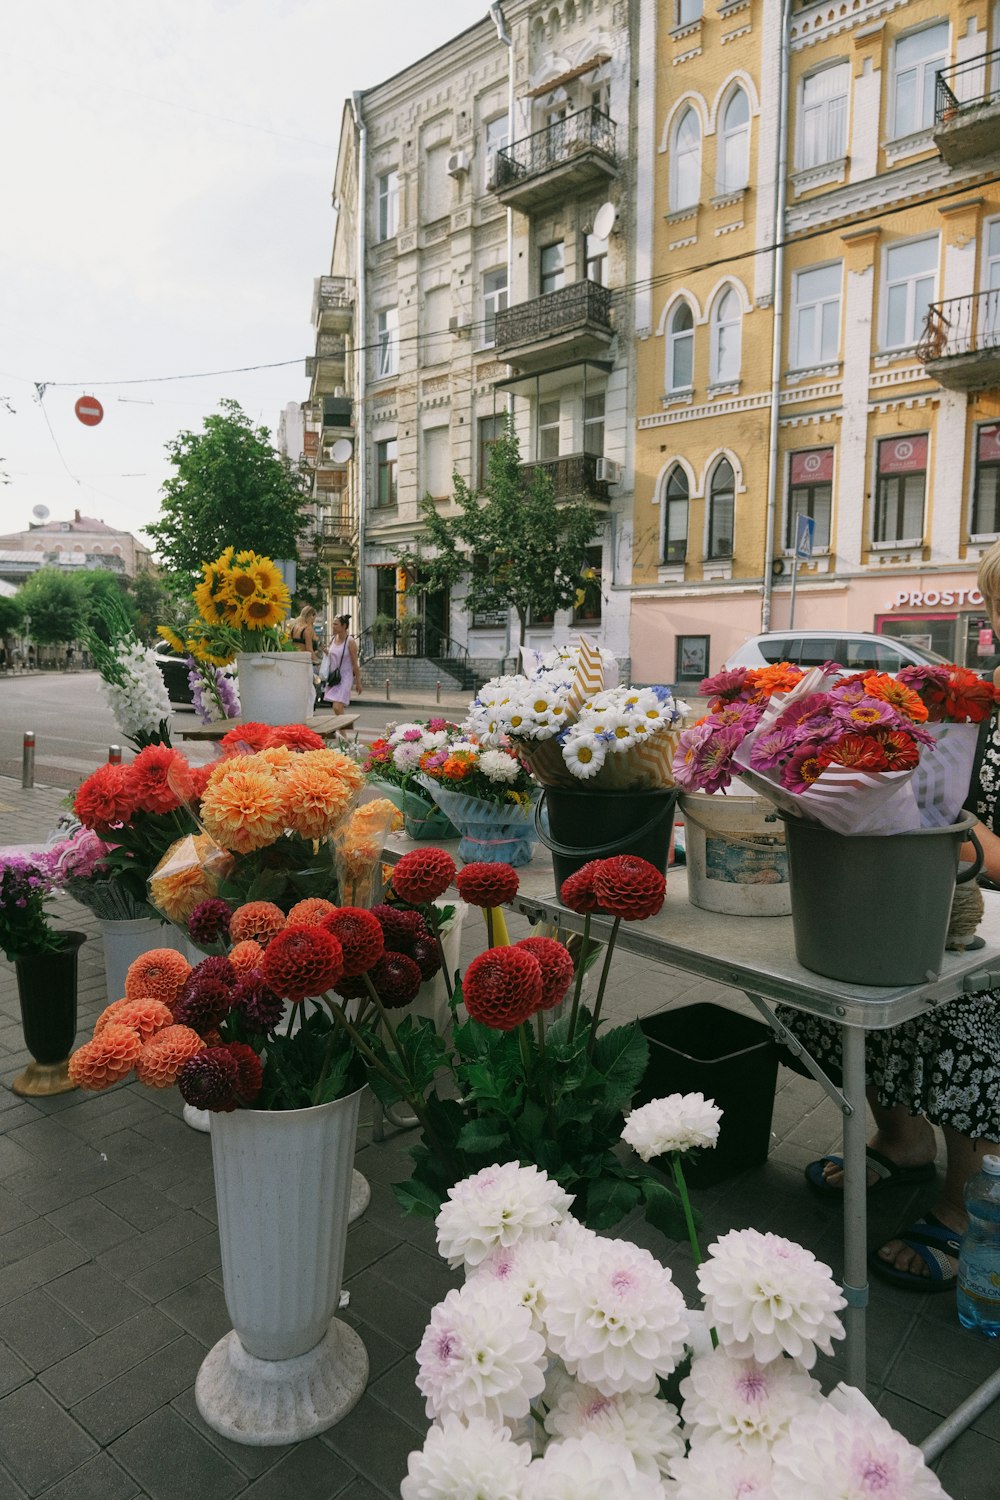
{"points": [[803, 768], [919, 678], [849, 692], [770, 748], [228, 696], [865, 713], [412, 735], [725, 684], [709, 765], [744, 715]]}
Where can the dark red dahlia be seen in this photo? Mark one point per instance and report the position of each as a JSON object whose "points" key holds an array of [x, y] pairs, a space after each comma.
{"points": [[259, 1006], [396, 979], [302, 961], [402, 928], [215, 966], [249, 1072], [427, 956], [577, 890], [503, 987], [556, 966], [487, 885], [359, 934], [208, 1080], [210, 921], [353, 989], [629, 887], [423, 875], [203, 1002]]}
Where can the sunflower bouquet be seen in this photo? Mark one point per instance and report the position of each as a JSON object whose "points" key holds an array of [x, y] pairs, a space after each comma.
{"points": [[241, 603]]}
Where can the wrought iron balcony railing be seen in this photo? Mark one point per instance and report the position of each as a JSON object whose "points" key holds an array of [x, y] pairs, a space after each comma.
{"points": [[588, 130], [334, 292], [331, 346], [574, 476], [962, 326], [561, 311], [967, 85]]}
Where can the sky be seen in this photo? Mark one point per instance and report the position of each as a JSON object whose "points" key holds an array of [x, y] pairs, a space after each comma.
{"points": [[165, 205]]}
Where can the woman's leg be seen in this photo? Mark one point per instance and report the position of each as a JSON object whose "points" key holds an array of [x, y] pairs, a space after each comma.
{"points": [[904, 1138], [338, 708], [964, 1160]]}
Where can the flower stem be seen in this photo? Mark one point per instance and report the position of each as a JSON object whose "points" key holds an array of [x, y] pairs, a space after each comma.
{"points": [[604, 980], [444, 962], [584, 945], [540, 1027], [489, 927], [523, 1031], [682, 1193]]}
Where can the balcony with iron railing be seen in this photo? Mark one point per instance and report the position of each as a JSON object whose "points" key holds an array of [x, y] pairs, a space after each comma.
{"points": [[335, 532], [574, 322], [960, 344], [967, 108], [573, 476], [573, 155], [333, 304], [328, 365]]}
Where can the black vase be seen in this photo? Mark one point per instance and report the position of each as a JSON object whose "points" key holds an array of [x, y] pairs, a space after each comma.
{"points": [[46, 987]]}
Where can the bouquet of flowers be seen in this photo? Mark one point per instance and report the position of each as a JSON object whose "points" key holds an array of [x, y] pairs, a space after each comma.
{"points": [[77, 864], [25, 886], [241, 602], [394, 761], [132, 682], [545, 1374]]}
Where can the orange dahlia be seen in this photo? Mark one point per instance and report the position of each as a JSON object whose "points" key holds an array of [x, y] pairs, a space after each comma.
{"points": [[177, 892], [160, 974], [254, 736], [320, 786], [163, 1056], [297, 737], [258, 920], [160, 779], [105, 800], [310, 912], [109, 1057], [244, 810], [246, 956], [143, 1015]]}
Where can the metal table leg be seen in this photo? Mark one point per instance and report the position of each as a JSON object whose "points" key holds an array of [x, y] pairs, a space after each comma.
{"points": [[855, 1203]]}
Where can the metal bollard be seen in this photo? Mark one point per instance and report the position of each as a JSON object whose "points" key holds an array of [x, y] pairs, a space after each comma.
{"points": [[28, 759], [387, 690], [437, 698], [114, 755]]}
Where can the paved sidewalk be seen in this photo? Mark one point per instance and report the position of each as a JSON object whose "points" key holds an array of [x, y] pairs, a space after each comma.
{"points": [[110, 1287]]}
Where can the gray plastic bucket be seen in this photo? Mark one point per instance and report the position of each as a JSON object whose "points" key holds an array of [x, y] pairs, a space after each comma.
{"points": [[874, 909]]}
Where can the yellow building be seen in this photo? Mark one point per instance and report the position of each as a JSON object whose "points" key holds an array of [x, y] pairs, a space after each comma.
{"points": [[818, 314]]}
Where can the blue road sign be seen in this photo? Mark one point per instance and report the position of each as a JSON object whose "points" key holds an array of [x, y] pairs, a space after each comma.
{"points": [[805, 526]]}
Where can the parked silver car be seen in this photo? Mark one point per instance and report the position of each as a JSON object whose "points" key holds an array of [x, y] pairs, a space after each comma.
{"points": [[854, 650]]}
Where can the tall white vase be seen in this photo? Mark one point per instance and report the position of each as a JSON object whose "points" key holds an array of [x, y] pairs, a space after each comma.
{"points": [[276, 687], [283, 1185], [128, 940]]}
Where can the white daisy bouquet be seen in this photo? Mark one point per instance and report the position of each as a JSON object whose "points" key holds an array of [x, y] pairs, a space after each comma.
{"points": [[544, 1374]]}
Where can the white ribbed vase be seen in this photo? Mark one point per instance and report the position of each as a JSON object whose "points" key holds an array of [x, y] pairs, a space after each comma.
{"points": [[125, 941], [283, 1191]]}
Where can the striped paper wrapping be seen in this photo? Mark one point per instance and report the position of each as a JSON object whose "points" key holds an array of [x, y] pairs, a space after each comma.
{"points": [[941, 780], [844, 799], [587, 680], [546, 762], [649, 764]]}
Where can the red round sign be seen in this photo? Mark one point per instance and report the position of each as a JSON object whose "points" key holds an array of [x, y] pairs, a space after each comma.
{"points": [[89, 410]]}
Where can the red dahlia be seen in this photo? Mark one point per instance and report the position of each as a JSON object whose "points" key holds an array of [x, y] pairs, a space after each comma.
{"points": [[402, 928], [160, 779], [423, 875], [556, 966], [397, 979], [203, 1003], [360, 936], [426, 955], [210, 920], [249, 1072], [578, 889], [503, 987], [302, 961], [208, 1080], [629, 887], [296, 737], [248, 737], [487, 885], [259, 1006], [105, 800]]}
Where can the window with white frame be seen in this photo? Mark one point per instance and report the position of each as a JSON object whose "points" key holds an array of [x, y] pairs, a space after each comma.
{"points": [[548, 430], [494, 301], [734, 144], [387, 200], [901, 489], [810, 493], [986, 487], [593, 424], [989, 317], [916, 58], [816, 315], [595, 259], [727, 322], [386, 457], [688, 11], [910, 278], [387, 342], [675, 520], [685, 161], [823, 115], [496, 135], [680, 348], [721, 509], [551, 267], [436, 340]]}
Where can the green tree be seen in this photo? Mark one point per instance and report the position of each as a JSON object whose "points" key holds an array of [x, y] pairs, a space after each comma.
{"points": [[232, 488], [150, 603], [11, 616], [515, 544], [54, 604]]}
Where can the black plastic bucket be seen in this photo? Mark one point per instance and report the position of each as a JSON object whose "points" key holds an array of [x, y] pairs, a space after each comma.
{"points": [[590, 824], [874, 908], [731, 1058]]}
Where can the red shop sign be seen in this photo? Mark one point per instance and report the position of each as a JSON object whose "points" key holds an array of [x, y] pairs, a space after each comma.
{"points": [[813, 466], [906, 455], [989, 444]]}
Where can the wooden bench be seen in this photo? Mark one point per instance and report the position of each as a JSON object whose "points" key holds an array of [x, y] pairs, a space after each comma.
{"points": [[327, 726]]}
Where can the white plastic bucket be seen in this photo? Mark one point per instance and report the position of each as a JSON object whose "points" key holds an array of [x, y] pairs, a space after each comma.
{"points": [[736, 857], [276, 687], [125, 941]]}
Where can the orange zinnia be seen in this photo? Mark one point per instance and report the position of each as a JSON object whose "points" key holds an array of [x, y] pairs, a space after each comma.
{"points": [[897, 694], [781, 677]]}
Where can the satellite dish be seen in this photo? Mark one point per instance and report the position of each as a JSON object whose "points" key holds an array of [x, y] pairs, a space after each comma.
{"points": [[605, 220], [342, 450], [41, 512]]}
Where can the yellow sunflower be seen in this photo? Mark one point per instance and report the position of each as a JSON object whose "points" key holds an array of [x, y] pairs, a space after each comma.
{"points": [[262, 610], [173, 641]]}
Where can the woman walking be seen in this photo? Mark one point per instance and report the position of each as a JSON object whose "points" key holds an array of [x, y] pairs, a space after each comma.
{"points": [[339, 669]]}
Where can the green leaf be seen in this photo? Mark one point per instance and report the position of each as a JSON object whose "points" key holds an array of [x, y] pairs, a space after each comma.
{"points": [[664, 1209], [607, 1201], [621, 1056], [482, 1138], [416, 1197]]}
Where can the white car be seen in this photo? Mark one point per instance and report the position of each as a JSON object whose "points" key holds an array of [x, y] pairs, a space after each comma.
{"points": [[856, 651]]}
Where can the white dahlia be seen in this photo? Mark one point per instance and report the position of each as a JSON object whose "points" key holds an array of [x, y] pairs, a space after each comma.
{"points": [[833, 1455], [647, 1426], [523, 1270], [466, 1461], [721, 1470], [675, 1123], [588, 1468], [749, 1403], [480, 1356], [496, 1207]]}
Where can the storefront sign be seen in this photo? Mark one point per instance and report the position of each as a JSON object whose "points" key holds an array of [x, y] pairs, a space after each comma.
{"points": [[936, 599], [903, 455], [814, 466], [989, 444], [344, 580]]}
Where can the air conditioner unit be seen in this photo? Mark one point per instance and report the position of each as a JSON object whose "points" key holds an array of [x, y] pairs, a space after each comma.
{"points": [[608, 472], [460, 323], [458, 162]]}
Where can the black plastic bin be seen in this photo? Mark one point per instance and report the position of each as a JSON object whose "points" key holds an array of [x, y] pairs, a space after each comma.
{"points": [[728, 1057]]}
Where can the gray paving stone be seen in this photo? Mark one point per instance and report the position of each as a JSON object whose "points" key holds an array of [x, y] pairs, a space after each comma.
{"points": [[171, 1461], [39, 1443], [200, 1309], [91, 1225], [360, 1489], [182, 1228], [29, 1237], [381, 1461], [395, 1313], [12, 1371], [383, 1352], [99, 1479], [197, 1184], [310, 1472], [397, 1390], [109, 1356], [968, 1469], [140, 1391], [14, 1159], [408, 1270], [47, 1191], [366, 1244], [139, 1205], [13, 1210], [249, 1459], [41, 1331], [8, 1489], [50, 1142], [174, 1271], [39, 1268], [95, 1297]]}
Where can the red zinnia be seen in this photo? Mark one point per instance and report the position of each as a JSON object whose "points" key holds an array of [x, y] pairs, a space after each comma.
{"points": [[160, 779], [396, 979], [503, 987], [578, 889], [900, 749], [968, 696], [360, 936], [249, 1072], [302, 961], [105, 800], [484, 884], [629, 887], [862, 752], [556, 966], [423, 875]]}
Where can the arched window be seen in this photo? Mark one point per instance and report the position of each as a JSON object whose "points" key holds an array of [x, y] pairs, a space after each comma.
{"points": [[685, 161], [675, 522], [726, 338], [734, 144], [680, 349], [721, 509]]}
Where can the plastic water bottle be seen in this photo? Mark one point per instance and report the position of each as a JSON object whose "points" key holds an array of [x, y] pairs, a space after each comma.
{"points": [[979, 1260]]}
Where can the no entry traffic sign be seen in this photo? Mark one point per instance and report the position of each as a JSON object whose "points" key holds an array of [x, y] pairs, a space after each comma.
{"points": [[89, 410]]}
